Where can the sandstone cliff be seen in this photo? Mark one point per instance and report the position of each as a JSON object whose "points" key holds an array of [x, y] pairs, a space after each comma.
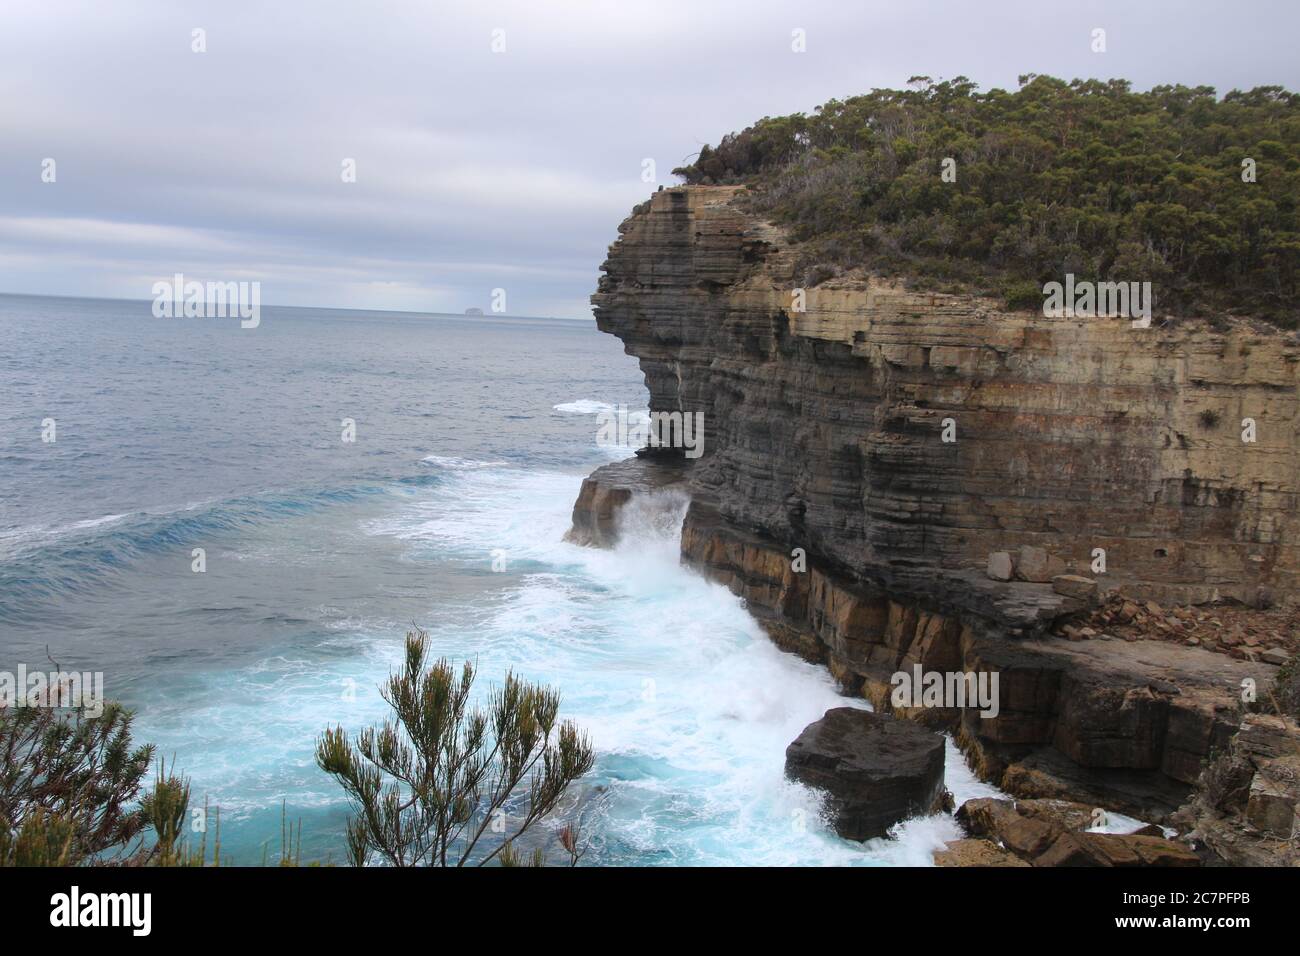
{"points": [[824, 426], [826, 410]]}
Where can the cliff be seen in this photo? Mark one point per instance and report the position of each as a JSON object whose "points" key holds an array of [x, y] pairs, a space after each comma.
{"points": [[899, 439]]}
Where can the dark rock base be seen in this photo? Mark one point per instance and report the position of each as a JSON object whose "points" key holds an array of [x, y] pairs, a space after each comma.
{"points": [[876, 770]]}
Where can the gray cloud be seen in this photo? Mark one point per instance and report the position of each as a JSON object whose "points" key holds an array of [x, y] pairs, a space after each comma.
{"points": [[475, 170]]}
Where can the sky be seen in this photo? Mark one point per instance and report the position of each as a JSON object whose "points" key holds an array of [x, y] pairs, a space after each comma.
{"points": [[475, 168]]}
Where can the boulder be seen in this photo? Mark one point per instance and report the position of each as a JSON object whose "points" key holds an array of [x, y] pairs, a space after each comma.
{"points": [[999, 821], [876, 770], [1000, 566], [1116, 849], [1151, 829], [1274, 795], [1037, 566], [1068, 813], [975, 853], [1075, 586], [1067, 850], [1053, 833]]}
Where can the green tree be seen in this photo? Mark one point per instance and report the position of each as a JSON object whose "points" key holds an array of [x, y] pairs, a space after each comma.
{"points": [[70, 787], [428, 786], [1199, 196]]}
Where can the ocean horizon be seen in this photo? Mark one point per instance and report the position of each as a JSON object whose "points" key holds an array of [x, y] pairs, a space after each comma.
{"points": [[468, 313], [447, 512]]}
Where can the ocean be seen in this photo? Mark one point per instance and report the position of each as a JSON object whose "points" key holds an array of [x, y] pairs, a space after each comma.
{"points": [[447, 511]]}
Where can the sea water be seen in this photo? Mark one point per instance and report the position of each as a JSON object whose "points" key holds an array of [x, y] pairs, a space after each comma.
{"points": [[447, 511]]}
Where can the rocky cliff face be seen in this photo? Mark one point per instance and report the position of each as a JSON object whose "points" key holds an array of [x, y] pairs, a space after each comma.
{"points": [[866, 448], [825, 427]]}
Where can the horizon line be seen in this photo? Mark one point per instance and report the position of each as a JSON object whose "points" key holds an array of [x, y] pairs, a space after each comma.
{"points": [[318, 308]]}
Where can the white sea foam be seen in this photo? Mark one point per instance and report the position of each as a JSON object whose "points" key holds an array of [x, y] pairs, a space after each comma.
{"points": [[40, 531], [584, 406], [689, 704], [15, 540], [452, 463], [589, 406], [95, 522]]}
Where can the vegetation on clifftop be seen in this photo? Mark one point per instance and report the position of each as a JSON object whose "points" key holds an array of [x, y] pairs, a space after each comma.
{"points": [[1084, 177]]}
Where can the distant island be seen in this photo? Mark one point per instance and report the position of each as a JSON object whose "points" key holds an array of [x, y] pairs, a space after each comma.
{"points": [[473, 311]]}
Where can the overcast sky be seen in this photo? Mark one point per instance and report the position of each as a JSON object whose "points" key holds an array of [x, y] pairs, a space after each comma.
{"points": [[475, 170]]}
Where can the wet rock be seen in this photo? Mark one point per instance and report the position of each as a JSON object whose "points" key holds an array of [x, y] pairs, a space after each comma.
{"points": [[1151, 829], [976, 853], [1114, 849], [1000, 821], [1054, 833], [821, 433], [1069, 813], [876, 770], [608, 490]]}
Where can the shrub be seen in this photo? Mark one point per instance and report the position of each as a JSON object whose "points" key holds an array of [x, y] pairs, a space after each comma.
{"points": [[1023, 296], [818, 273], [1085, 176], [427, 786], [1286, 688], [69, 783]]}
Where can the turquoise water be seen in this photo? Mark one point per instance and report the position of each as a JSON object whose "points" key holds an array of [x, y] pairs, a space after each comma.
{"points": [[473, 436]]}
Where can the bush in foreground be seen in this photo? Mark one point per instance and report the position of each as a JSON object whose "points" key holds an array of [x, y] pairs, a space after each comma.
{"points": [[447, 784], [70, 785]]}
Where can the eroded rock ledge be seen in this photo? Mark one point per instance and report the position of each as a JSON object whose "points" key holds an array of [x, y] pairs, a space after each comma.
{"points": [[823, 433]]}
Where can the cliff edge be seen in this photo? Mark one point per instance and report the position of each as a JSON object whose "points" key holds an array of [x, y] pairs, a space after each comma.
{"points": [[867, 449]]}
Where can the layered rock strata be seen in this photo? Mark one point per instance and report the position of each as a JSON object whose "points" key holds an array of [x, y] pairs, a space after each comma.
{"points": [[1245, 807], [826, 411], [1125, 725], [604, 495], [830, 497]]}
